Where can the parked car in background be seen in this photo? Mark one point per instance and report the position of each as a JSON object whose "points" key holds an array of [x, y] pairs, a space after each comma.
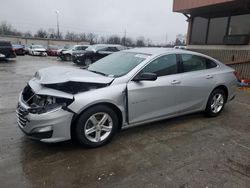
{"points": [[26, 48], [180, 47], [66, 55], [67, 47], [19, 49], [37, 50], [94, 53], [52, 50], [6, 50], [127, 88]]}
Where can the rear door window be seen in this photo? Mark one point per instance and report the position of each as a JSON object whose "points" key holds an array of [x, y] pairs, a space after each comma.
{"points": [[195, 63]]}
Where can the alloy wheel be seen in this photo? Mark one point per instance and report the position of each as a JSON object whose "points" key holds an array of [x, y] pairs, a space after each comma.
{"points": [[217, 103], [98, 127]]}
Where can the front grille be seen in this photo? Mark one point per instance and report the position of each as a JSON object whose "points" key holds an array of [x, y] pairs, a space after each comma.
{"points": [[21, 114]]}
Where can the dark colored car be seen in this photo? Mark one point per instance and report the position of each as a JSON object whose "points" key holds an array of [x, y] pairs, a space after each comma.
{"points": [[66, 55], [52, 50], [94, 53], [6, 50], [19, 49]]}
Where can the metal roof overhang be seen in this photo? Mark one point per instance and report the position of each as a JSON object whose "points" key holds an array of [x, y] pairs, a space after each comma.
{"points": [[221, 9]]}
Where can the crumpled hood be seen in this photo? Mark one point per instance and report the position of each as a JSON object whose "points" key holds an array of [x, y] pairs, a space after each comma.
{"points": [[53, 75]]}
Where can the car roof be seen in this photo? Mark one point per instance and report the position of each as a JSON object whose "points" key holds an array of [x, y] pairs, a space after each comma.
{"points": [[108, 45], [159, 51], [81, 45]]}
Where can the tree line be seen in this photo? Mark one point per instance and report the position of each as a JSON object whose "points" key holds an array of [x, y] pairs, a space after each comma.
{"points": [[92, 38]]}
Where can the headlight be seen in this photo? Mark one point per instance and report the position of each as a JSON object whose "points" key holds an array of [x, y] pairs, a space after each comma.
{"points": [[43, 104], [37, 76]]}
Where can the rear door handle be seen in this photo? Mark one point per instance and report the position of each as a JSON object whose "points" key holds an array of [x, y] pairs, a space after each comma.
{"points": [[209, 76], [174, 82]]}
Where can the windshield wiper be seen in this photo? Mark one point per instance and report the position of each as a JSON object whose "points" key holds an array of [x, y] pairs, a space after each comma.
{"points": [[103, 74]]}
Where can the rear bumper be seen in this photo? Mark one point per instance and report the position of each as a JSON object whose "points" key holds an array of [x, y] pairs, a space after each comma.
{"points": [[49, 127]]}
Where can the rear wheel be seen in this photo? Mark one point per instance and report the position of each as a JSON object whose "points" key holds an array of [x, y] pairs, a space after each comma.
{"points": [[216, 103], [96, 126]]}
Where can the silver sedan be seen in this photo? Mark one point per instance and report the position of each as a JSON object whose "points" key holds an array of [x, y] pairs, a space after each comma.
{"points": [[127, 88]]}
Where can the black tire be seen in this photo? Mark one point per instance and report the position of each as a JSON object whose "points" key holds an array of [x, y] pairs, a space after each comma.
{"points": [[82, 123], [87, 61], [68, 57], [210, 111]]}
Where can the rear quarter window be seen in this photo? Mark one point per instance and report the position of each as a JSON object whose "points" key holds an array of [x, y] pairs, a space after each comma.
{"points": [[211, 64]]}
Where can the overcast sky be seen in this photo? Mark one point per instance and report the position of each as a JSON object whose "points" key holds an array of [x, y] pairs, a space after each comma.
{"points": [[152, 19]]}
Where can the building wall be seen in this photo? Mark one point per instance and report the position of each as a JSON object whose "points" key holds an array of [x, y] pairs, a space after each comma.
{"points": [[223, 53], [243, 69], [44, 42], [237, 57], [180, 5]]}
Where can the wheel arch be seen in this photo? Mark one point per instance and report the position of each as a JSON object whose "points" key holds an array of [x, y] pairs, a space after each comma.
{"points": [[110, 105], [224, 88]]}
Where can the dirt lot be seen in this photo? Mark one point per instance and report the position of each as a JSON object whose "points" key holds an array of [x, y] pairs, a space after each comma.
{"points": [[186, 152]]}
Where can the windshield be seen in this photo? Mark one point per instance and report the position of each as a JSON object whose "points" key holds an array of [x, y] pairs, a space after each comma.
{"points": [[117, 64], [94, 48]]}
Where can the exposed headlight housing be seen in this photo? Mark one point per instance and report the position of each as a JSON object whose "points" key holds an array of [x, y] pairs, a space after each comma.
{"points": [[43, 104], [37, 76]]}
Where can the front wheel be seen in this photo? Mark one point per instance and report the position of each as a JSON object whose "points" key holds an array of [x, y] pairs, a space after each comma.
{"points": [[216, 103], [67, 57], [96, 126], [87, 62]]}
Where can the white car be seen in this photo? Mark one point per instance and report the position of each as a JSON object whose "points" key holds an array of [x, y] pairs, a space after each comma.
{"points": [[37, 50]]}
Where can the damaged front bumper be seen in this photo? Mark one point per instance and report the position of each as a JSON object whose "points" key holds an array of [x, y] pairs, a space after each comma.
{"points": [[50, 127]]}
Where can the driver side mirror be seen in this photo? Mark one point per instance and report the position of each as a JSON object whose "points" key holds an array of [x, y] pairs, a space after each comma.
{"points": [[145, 77]]}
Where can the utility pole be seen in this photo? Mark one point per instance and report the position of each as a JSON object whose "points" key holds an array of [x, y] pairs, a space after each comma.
{"points": [[57, 18], [125, 35], [166, 39]]}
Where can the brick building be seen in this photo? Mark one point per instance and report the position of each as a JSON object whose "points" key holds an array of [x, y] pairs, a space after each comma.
{"points": [[219, 28]]}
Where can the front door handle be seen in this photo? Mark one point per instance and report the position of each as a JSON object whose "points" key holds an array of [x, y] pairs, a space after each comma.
{"points": [[174, 82], [209, 76]]}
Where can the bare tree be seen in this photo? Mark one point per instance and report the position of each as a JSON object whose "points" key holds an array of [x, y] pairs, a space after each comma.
{"points": [[71, 36], [41, 33], [52, 34], [27, 34], [91, 37], [114, 40], [5, 29], [102, 40], [140, 42], [82, 37]]}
